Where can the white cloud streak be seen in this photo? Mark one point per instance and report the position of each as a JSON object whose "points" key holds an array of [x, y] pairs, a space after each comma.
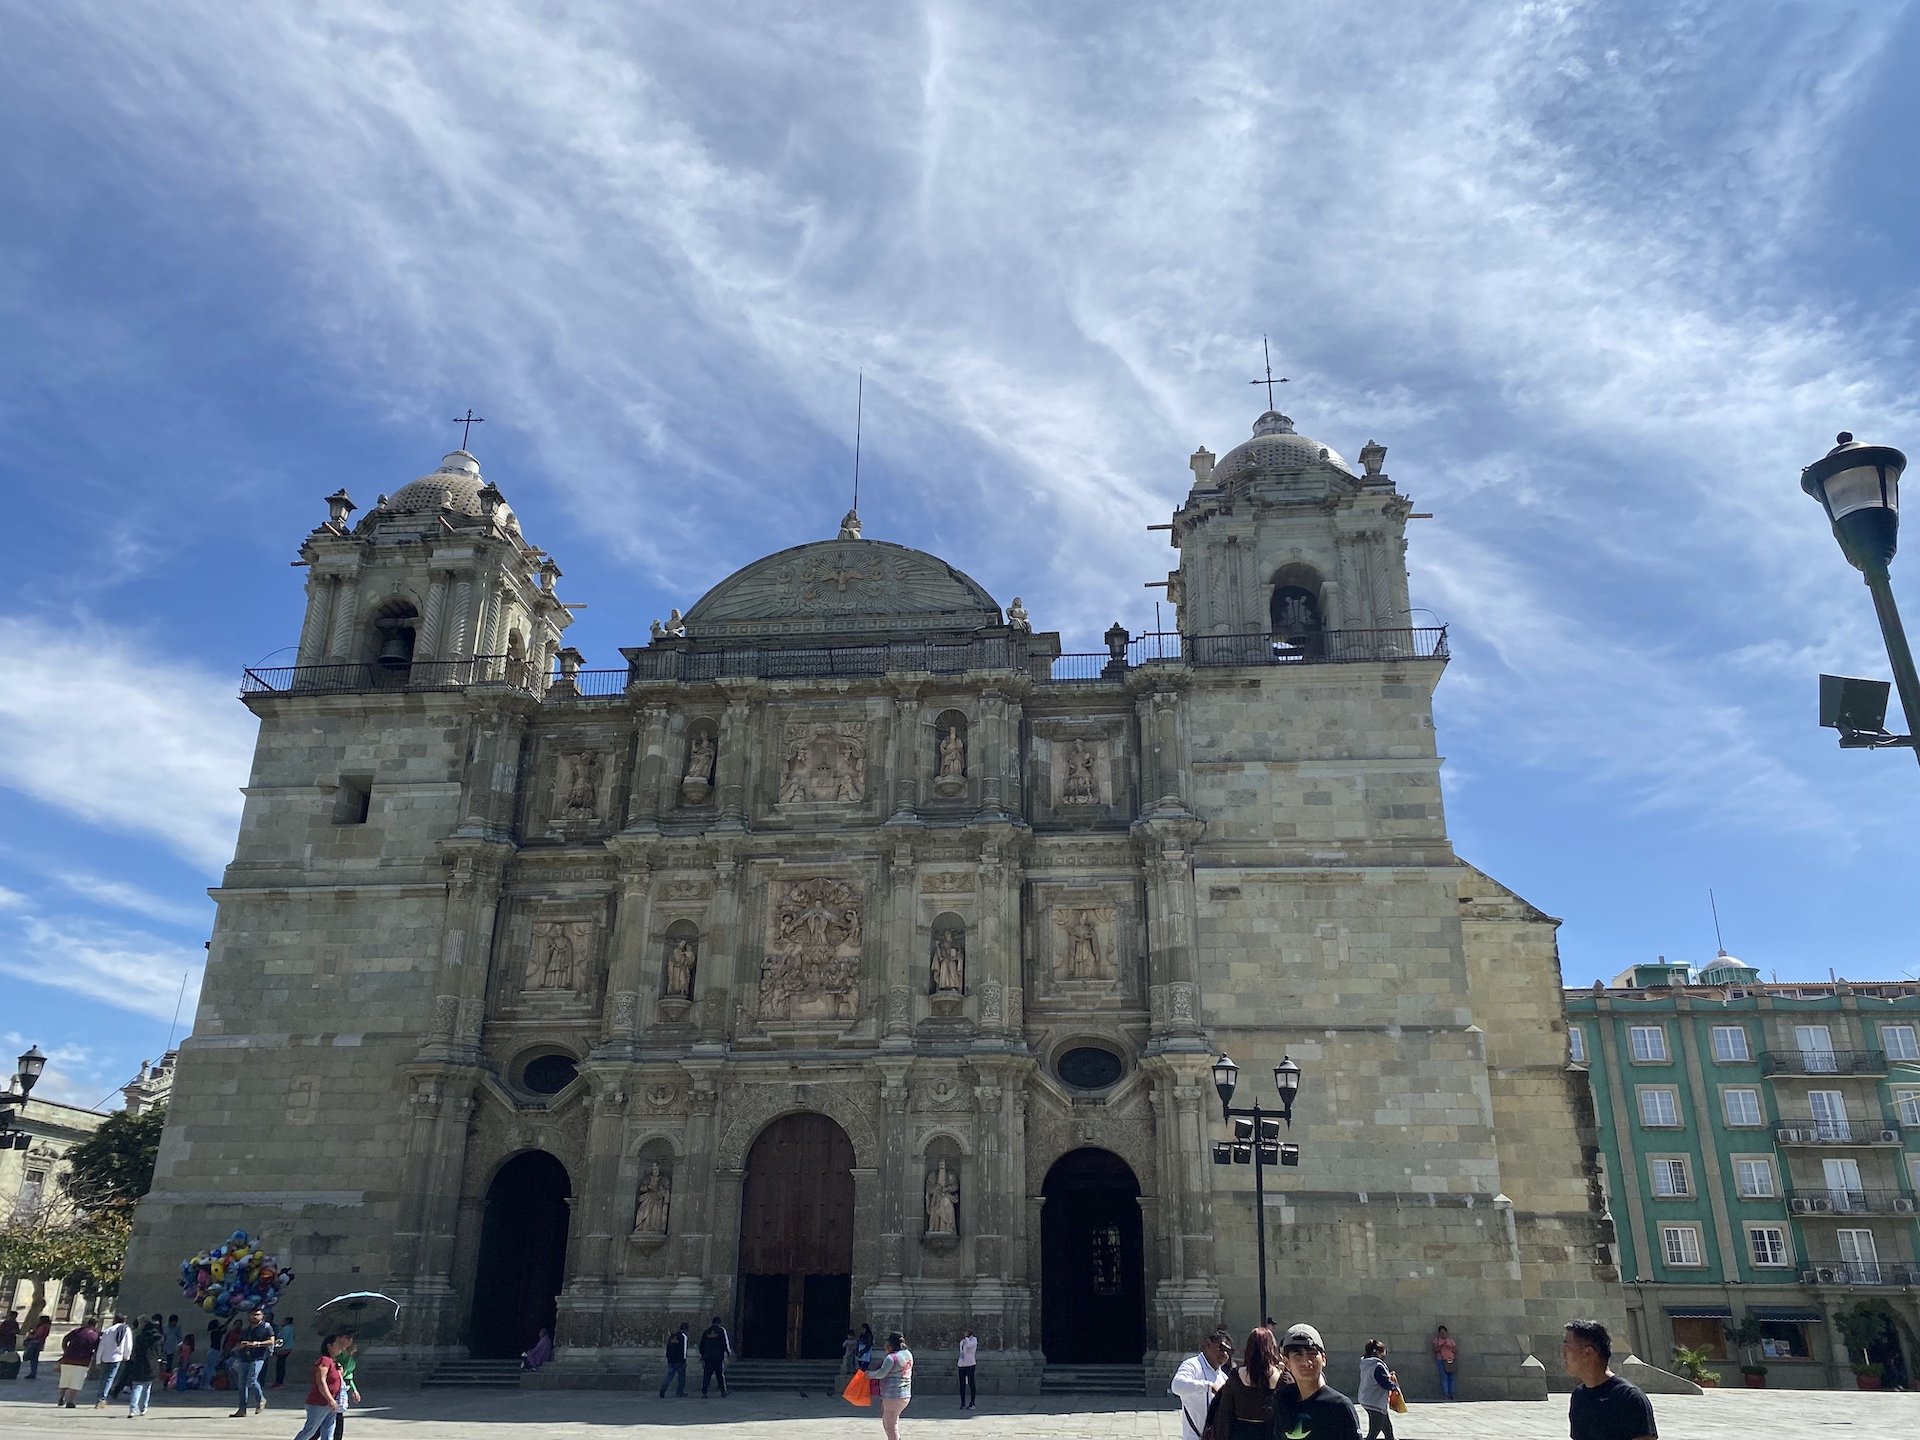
{"points": [[127, 969]]}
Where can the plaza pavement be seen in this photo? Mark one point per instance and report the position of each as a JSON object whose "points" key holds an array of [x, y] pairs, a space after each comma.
{"points": [[27, 1413]]}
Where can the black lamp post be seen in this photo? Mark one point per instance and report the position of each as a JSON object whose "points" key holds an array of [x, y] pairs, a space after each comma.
{"points": [[1859, 488], [31, 1065], [1256, 1141]]}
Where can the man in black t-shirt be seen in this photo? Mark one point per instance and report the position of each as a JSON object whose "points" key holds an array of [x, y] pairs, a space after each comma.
{"points": [[1314, 1411], [1603, 1406], [249, 1355]]}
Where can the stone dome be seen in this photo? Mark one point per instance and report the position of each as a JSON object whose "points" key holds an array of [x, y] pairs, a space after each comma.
{"points": [[1275, 452], [843, 587], [455, 486]]}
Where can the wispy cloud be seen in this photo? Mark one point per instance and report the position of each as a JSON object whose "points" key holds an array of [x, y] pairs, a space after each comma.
{"points": [[75, 1075], [127, 969], [122, 737], [124, 896]]}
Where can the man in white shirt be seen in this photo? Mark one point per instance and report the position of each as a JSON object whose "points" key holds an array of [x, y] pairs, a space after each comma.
{"points": [[969, 1353], [116, 1344], [1198, 1377]]}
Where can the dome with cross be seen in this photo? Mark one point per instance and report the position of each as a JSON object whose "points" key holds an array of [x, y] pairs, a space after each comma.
{"points": [[454, 488], [1276, 452]]}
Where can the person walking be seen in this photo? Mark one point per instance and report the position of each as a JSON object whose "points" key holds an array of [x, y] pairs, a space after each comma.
{"points": [[1248, 1392], [36, 1341], [10, 1330], [1315, 1410], [893, 1383], [1445, 1352], [142, 1368], [347, 1351], [250, 1353], [116, 1343], [715, 1346], [282, 1348], [1377, 1384], [677, 1362], [323, 1392], [170, 1338], [77, 1350], [1199, 1379], [969, 1358], [1602, 1406]]}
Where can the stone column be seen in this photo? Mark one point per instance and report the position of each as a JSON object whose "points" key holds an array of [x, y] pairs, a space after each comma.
{"points": [[899, 952], [674, 761], [725, 967], [461, 622], [903, 757], [894, 1180], [730, 776], [346, 604], [599, 1209], [628, 965], [1171, 929], [427, 641], [643, 802], [440, 1108], [992, 756], [696, 1201], [321, 590]]}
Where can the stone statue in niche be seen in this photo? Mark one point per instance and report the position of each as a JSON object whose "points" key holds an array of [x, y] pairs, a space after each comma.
{"points": [[1087, 952], [681, 959], [554, 963], [950, 777], [1080, 784], [813, 969], [656, 1199], [697, 782], [824, 761], [582, 798], [943, 1202], [949, 968]]}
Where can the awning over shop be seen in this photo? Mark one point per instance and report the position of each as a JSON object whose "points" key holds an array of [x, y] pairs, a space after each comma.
{"points": [[1699, 1312], [1786, 1312]]}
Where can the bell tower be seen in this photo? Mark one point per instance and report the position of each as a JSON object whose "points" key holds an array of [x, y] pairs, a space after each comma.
{"points": [[435, 585], [1281, 538]]}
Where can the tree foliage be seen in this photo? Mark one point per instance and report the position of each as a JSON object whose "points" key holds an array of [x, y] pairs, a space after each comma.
{"points": [[83, 1252], [113, 1167]]}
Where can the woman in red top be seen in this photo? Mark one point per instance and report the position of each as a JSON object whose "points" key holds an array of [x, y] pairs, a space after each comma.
{"points": [[323, 1393]]}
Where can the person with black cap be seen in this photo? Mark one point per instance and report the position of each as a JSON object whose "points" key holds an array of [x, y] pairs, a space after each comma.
{"points": [[1315, 1410], [1199, 1379]]}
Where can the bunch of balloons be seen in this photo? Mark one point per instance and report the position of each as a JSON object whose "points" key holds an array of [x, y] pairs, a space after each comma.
{"points": [[233, 1277]]}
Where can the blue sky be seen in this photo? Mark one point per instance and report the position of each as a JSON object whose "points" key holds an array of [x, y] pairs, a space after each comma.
{"points": [[1602, 276]]}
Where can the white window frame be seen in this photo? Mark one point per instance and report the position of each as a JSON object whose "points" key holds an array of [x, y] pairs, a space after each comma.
{"points": [[1669, 1170], [1649, 1092], [1727, 1093], [1655, 1047], [1576, 1045], [1732, 1033], [1688, 1238], [1906, 1107], [1904, 1046], [1815, 1044], [1761, 1166], [1779, 1245]]}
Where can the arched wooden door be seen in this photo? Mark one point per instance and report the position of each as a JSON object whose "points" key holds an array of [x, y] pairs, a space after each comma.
{"points": [[796, 1240], [1093, 1292], [523, 1256]]}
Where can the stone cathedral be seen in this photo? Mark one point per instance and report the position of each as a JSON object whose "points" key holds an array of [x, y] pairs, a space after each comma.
{"points": [[851, 953]]}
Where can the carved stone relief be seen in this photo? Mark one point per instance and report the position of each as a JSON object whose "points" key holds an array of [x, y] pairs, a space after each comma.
{"points": [[812, 970], [1085, 947], [824, 762], [1080, 772], [947, 882], [990, 1003], [558, 958], [577, 791]]}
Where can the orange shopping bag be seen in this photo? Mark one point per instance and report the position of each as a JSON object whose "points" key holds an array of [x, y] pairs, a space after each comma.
{"points": [[859, 1389]]}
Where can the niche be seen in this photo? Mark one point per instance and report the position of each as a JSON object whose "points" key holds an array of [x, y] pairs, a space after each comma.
{"points": [[950, 754], [653, 1196], [947, 959], [1295, 610], [395, 628], [679, 969], [696, 774]]}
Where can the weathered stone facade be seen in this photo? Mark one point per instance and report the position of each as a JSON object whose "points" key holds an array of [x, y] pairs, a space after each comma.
{"points": [[850, 841]]}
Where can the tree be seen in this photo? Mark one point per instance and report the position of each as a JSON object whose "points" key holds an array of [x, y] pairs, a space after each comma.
{"points": [[113, 1167], [84, 1252]]}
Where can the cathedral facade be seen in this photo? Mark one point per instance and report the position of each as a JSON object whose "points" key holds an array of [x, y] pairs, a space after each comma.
{"points": [[853, 954]]}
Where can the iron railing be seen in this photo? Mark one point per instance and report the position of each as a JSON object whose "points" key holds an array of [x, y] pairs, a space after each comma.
{"points": [[674, 663], [1823, 1062], [1830, 1200], [1858, 1272], [1808, 1131]]}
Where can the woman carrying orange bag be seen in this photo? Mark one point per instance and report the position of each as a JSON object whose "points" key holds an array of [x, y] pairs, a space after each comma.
{"points": [[894, 1376], [859, 1389]]}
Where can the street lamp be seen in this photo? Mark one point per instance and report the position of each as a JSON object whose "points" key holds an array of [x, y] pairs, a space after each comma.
{"points": [[1256, 1141], [32, 1064], [1859, 488]]}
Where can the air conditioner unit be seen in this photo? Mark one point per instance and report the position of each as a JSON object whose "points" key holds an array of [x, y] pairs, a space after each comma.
{"points": [[1889, 1137], [1827, 1277], [1902, 1205], [1820, 1205], [1798, 1206]]}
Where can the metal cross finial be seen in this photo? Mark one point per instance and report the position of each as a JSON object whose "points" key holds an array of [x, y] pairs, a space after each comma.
{"points": [[467, 421], [1269, 382]]}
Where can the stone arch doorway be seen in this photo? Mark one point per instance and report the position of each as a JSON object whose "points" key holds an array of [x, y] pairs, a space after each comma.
{"points": [[796, 1240], [1093, 1290], [523, 1255]]}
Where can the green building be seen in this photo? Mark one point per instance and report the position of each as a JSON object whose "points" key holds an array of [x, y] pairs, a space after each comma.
{"points": [[1759, 1148]]}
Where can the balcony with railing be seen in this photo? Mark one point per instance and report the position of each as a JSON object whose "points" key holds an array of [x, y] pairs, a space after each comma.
{"points": [[1823, 1062], [1859, 1272], [1807, 1130], [683, 662], [1823, 1200]]}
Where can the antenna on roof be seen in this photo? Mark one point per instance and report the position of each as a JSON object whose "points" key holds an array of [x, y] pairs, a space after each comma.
{"points": [[1720, 944]]}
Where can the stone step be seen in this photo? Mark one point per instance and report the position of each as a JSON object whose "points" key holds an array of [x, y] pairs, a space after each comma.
{"points": [[809, 1375], [1093, 1380], [475, 1375]]}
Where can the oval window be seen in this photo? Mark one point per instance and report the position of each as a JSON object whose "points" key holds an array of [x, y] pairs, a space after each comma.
{"points": [[548, 1074], [1087, 1067]]}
